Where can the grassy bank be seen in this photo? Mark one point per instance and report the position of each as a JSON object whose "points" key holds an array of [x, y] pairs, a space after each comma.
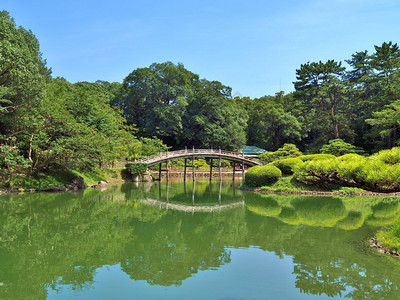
{"points": [[390, 237]]}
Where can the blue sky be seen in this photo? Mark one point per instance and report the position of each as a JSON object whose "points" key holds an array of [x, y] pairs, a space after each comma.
{"points": [[254, 46]]}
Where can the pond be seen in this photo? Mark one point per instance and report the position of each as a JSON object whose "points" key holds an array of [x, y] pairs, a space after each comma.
{"points": [[197, 240]]}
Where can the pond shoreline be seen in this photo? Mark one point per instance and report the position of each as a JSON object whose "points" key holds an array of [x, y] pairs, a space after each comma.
{"points": [[382, 249], [64, 188]]}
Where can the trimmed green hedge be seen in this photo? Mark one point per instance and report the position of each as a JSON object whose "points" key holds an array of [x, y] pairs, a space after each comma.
{"points": [[286, 165], [390, 157], [262, 175], [316, 157], [136, 168], [353, 170]]}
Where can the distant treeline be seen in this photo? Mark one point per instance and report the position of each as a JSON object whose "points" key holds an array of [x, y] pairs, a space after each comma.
{"points": [[49, 123]]}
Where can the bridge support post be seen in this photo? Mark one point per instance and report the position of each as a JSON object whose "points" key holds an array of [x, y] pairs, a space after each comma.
{"points": [[234, 170], [159, 171], [242, 169], [211, 166], [193, 175]]}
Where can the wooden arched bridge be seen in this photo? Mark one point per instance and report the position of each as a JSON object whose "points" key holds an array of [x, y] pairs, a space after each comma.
{"points": [[192, 154]]}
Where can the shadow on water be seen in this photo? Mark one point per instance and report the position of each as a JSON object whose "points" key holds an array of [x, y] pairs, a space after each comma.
{"points": [[48, 241]]}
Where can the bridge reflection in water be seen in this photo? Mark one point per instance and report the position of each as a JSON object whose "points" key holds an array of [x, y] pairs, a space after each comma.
{"points": [[196, 198]]}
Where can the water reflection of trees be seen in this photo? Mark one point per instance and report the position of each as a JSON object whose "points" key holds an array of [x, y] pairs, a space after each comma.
{"points": [[340, 268], [52, 239]]}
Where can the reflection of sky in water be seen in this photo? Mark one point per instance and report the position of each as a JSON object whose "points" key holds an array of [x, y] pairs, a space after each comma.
{"points": [[252, 274]]}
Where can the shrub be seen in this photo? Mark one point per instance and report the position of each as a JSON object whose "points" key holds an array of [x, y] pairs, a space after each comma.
{"points": [[262, 175], [339, 147], [318, 156], [286, 165], [351, 170], [136, 168], [390, 157], [287, 151]]}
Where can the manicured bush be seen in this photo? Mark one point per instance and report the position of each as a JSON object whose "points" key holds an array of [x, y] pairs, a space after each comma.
{"points": [[351, 170], [339, 147], [136, 168], [262, 175], [286, 165], [390, 157], [287, 151], [318, 156]]}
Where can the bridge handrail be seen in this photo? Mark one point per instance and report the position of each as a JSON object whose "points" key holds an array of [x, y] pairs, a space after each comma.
{"points": [[172, 154]]}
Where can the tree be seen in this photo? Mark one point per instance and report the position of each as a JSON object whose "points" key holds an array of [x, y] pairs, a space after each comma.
{"points": [[214, 120], [155, 98], [322, 90], [22, 69], [168, 101], [287, 151], [339, 147], [270, 125], [387, 122], [374, 83], [22, 82]]}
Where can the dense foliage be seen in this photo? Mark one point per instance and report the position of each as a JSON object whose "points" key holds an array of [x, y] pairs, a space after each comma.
{"points": [[48, 123], [339, 147], [136, 168], [286, 165], [262, 175], [287, 151], [177, 106], [308, 157], [378, 173]]}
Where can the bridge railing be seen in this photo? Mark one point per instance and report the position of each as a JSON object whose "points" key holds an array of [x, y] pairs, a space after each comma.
{"points": [[177, 153]]}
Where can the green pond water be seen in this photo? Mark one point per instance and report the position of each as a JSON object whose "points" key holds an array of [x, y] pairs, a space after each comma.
{"points": [[193, 241]]}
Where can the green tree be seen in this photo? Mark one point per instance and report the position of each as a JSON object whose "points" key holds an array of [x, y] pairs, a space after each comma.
{"points": [[155, 98], [270, 125], [321, 88], [374, 82], [287, 151], [168, 101], [339, 147], [214, 120], [387, 122]]}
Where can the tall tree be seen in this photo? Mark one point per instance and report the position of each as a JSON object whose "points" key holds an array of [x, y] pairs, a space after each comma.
{"points": [[321, 88], [387, 122], [172, 103], [155, 99], [22, 82], [270, 126]]}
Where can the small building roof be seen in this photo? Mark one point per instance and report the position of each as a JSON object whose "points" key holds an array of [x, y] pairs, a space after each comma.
{"points": [[252, 150]]}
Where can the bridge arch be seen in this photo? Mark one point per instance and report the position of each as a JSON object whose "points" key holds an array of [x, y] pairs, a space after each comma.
{"points": [[192, 154]]}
